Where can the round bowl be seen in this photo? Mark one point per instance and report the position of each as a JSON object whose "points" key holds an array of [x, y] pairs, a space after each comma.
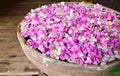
{"points": [[54, 67]]}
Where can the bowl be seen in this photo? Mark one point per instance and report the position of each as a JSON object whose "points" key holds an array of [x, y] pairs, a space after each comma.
{"points": [[54, 67]]}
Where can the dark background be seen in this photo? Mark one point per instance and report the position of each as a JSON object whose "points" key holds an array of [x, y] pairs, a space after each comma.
{"points": [[10, 7]]}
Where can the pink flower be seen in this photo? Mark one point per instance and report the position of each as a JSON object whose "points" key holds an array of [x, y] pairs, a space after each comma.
{"points": [[35, 20], [88, 60], [32, 43]]}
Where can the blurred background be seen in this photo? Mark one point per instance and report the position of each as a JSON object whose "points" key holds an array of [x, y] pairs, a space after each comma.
{"points": [[9, 7]]}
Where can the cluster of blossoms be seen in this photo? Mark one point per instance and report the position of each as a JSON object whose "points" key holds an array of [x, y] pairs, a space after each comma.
{"points": [[74, 32]]}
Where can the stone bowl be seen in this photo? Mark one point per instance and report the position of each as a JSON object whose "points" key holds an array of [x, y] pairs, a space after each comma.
{"points": [[54, 67]]}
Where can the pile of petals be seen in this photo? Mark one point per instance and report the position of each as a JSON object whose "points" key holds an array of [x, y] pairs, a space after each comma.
{"points": [[74, 32]]}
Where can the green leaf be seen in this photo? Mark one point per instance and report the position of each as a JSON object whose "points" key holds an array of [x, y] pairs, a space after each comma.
{"points": [[115, 71], [53, 48]]}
